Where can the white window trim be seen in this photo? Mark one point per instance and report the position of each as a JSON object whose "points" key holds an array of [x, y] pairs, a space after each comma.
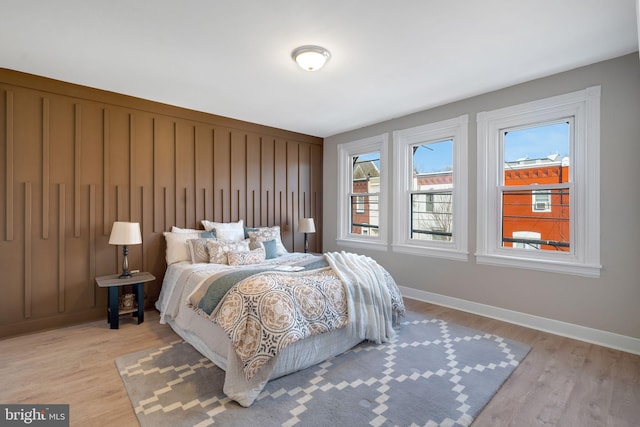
{"points": [[346, 151], [457, 129], [584, 258]]}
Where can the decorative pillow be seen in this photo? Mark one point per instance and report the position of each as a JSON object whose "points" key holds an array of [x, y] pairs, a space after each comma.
{"points": [[233, 231], [177, 246], [218, 249], [270, 249], [248, 230], [198, 250], [255, 256], [265, 234]]}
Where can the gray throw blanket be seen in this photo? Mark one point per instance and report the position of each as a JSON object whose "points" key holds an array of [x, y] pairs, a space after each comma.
{"points": [[375, 302]]}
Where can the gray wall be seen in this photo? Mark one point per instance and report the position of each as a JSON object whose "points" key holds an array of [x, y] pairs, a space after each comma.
{"points": [[609, 303]]}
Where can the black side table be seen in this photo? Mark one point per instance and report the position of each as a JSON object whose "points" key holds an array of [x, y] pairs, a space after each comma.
{"points": [[113, 284]]}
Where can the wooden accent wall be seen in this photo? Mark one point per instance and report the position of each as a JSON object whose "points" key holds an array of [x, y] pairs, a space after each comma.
{"points": [[74, 159]]}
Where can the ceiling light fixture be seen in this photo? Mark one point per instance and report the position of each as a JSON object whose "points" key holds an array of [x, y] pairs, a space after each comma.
{"points": [[310, 58]]}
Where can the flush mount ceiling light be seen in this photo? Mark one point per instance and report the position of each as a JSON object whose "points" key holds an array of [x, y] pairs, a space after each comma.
{"points": [[310, 58]]}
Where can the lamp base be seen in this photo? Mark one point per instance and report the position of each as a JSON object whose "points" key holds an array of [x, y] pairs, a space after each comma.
{"points": [[125, 263]]}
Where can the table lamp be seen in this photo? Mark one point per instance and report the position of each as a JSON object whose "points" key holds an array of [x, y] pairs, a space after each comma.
{"points": [[125, 233], [306, 226]]}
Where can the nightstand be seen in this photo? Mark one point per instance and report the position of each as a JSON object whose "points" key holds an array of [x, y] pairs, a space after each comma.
{"points": [[113, 284]]}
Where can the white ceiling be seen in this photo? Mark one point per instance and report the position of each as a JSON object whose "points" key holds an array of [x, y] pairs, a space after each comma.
{"points": [[232, 58]]}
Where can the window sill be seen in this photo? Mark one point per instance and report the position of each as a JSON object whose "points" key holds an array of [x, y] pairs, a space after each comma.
{"points": [[445, 253], [565, 267], [363, 244]]}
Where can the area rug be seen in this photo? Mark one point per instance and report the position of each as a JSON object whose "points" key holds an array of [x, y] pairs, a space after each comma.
{"points": [[433, 373]]}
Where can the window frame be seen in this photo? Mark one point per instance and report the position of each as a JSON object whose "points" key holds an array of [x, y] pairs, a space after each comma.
{"points": [[455, 129], [346, 151], [584, 258]]}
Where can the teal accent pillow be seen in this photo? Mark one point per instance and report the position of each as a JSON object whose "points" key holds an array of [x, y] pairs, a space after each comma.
{"points": [[270, 249], [208, 234], [248, 230]]}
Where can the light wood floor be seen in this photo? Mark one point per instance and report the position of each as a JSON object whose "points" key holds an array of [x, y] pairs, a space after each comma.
{"points": [[562, 382]]}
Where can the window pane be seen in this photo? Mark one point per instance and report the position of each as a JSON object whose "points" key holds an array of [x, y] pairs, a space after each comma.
{"points": [[364, 215], [432, 213], [526, 226], [431, 216], [433, 165], [537, 155], [366, 173], [366, 180]]}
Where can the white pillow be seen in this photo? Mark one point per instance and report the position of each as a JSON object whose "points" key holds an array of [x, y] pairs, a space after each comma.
{"points": [[264, 234], [175, 229], [177, 246], [232, 231]]}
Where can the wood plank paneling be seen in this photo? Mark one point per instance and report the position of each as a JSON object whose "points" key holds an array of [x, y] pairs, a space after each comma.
{"points": [[46, 162], [184, 164], [204, 159], [92, 242], [315, 196], [221, 176], [253, 180], [106, 182], [164, 173], [280, 183], [267, 181], [238, 170], [9, 166], [77, 164], [28, 258], [62, 231], [74, 160], [288, 228]]}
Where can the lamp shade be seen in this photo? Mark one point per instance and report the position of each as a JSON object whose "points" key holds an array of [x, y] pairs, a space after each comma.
{"points": [[306, 225], [125, 233]]}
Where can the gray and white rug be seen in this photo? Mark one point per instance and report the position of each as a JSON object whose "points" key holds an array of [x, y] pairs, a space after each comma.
{"points": [[433, 373]]}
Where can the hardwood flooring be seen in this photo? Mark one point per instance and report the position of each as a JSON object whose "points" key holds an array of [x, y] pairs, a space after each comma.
{"points": [[562, 382]]}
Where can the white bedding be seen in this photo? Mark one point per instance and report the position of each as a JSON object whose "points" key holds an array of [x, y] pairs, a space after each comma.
{"points": [[181, 279]]}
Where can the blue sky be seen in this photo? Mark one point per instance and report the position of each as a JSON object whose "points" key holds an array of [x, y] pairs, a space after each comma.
{"points": [[538, 142], [532, 143], [434, 157]]}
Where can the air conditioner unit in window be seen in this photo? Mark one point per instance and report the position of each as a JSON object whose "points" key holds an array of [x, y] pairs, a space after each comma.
{"points": [[541, 206]]}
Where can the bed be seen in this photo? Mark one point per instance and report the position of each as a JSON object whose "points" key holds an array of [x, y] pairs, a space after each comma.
{"points": [[213, 306]]}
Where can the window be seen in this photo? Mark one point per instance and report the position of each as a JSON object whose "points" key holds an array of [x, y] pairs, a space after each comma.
{"points": [[538, 184], [541, 201], [363, 182], [430, 205], [535, 186]]}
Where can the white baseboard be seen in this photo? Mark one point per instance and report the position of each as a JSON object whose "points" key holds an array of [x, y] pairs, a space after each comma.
{"points": [[570, 330]]}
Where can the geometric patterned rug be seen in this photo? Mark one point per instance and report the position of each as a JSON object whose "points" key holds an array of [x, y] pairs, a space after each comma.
{"points": [[433, 373]]}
